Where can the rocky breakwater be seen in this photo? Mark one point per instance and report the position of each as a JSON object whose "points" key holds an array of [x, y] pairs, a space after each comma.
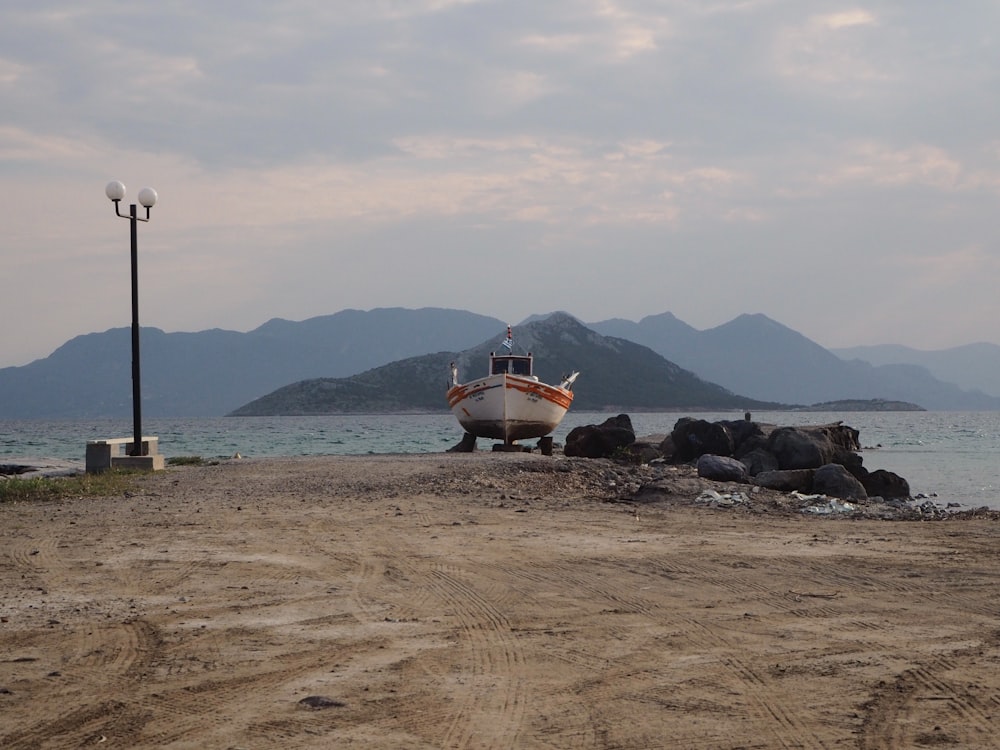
{"points": [[821, 459], [814, 462]]}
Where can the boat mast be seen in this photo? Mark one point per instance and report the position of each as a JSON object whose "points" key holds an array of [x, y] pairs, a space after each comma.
{"points": [[508, 343]]}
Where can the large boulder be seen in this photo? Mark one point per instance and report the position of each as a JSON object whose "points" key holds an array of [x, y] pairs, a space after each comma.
{"points": [[813, 446], [843, 437], [641, 452], [789, 480], [667, 448], [836, 481], [882, 483], [721, 468], [600, 441], [696, 437], [758, 460], [746, 435], [800, 447], [853, 462], [750, 444]]}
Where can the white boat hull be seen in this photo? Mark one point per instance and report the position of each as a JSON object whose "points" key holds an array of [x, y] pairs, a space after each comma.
{"points": [[509, 407]]}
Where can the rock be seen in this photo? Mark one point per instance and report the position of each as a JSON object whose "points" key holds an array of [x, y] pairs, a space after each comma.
{"points": [[721, 468], [853, 462], [812, 447], [742, 432], [600, 441], [784, 459], [788, 480], [842, 436], [882, 483], [667, 448], [799, 448], [836, 481], [750, 444], [696, 437], [641, 453], [759, 460], [37, 468], [14, 469], [320, 701]]}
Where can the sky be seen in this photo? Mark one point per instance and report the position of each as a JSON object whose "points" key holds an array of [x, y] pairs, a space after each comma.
{"points": [[832, 165]]}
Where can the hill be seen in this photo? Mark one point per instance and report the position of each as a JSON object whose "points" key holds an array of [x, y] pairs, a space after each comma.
{"points": [[972, 366], [616, 375]]}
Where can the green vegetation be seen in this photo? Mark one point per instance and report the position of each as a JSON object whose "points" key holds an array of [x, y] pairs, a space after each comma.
{"points": [[57, 488], [186, 461], [616, 376]]}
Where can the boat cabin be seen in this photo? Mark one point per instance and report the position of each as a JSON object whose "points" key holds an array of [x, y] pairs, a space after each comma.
{"points": [[512, 364]]}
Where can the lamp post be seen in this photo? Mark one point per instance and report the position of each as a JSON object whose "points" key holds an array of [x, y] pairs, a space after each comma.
{"points": [[147, 197]]}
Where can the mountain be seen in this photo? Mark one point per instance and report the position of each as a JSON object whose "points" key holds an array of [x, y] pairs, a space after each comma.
{"points": [[213, 372], [210, 373], [616, 375], [661, 333], [766, 360], [973, 366]]}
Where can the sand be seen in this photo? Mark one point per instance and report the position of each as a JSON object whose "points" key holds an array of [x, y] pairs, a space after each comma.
{"points": [[486, 601]]}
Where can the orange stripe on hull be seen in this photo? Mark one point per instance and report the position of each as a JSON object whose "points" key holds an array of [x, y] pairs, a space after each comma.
{"points": [[550, 393], [553, 395], [461, 392]]}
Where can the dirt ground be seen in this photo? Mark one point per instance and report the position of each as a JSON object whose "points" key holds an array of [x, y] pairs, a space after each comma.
{"points": [[486, 601]]}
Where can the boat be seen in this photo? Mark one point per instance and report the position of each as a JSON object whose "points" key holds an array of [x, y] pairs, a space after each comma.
{"points": [[510, 403]]}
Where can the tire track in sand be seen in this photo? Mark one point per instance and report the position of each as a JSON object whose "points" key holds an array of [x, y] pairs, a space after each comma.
{"points": [[94, 665], [498, 687], [925, 706], [763, 697]]}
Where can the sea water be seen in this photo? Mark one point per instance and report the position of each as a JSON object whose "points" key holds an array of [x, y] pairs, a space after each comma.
{"points": [[951, 456]]}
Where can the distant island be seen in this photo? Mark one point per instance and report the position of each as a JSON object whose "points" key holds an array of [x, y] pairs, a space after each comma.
{"points": [[873, 404]]}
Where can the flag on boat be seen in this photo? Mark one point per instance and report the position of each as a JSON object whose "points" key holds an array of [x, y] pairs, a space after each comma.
{"points": [[509, 341]]}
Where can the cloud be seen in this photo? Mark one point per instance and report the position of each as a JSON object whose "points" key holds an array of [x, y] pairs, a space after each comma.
{"points": [[41, 149], [10, 72], [834, 50], [845, 19], [888, 166], [704, 157]]}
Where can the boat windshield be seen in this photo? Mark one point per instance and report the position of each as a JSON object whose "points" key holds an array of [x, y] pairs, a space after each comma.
{"points": [[512, 365]]}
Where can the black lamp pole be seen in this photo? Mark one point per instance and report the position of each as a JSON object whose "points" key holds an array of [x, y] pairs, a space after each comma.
{"points": [[147, 197], [136, 380]]}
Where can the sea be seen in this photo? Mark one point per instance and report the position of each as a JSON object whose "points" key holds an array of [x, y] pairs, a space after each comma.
{"points": [[950, 457]]}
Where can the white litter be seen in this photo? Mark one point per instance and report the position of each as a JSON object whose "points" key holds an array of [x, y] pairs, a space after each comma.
{"points": [[829, 508]]}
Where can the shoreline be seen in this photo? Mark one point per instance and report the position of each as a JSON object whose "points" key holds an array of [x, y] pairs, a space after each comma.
{"points": [[35, 467], [942, 461], [27, 467]]}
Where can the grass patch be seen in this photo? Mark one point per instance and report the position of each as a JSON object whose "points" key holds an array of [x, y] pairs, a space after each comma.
{"points": [[55, 488], [186, 461]]}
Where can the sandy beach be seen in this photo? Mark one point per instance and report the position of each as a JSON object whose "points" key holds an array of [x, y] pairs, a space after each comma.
{"points": [[486, 601]]}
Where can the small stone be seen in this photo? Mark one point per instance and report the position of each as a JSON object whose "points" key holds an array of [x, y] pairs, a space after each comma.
{"points": [[319, 701]]}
